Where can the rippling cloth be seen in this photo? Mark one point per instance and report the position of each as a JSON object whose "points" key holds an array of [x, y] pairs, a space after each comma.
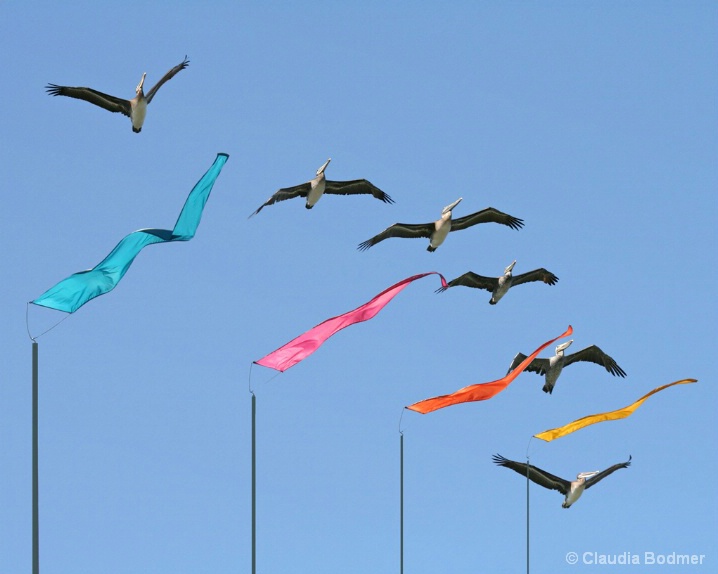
{"points": [[72, 293], [480, 391], [300, 348], [578, 424]]}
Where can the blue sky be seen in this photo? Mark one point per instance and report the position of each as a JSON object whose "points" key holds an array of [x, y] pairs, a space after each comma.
{"points": [[595, 123]]}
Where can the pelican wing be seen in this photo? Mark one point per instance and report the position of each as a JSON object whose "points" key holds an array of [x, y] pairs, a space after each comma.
{"points": [[604, 473], [472, 280], [535, 275], [168, 76], [407, 230], [109, 103], [595, 355], [301, 190], [539, 366], [356, 186], [488, 215], [535, 474]]}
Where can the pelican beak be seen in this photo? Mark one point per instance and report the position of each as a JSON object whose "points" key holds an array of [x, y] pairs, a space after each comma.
{"points": [[451, 206], [138, 89], [564, 346], [588, 474], [320, 171], [510, 267]]}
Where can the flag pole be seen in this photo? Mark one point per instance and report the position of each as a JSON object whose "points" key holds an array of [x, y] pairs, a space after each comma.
{"points": [[527, 515], [35, 485], [401, 503], [254, 485]]}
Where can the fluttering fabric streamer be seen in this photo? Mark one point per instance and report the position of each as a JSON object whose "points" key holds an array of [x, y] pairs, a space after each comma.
{"points": [[578, 424], [300, 348], [72, 293], [480, 391]]}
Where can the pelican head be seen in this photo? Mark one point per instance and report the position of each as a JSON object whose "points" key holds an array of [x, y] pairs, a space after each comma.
{"points": [[138, 89], [510, 268], [585, 475], [563, 346], [451, 206], [320, 171]]}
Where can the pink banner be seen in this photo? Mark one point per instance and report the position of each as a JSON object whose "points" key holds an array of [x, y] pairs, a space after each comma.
{"points": [[300, 348]]}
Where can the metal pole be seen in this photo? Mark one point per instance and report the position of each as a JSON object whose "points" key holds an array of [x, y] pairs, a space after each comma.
{"points": [[35, 487], [527, 516], [401, 504], [254, 485]]}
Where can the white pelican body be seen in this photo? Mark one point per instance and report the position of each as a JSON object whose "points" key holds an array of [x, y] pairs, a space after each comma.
{"points": [[555, 366], [442, 227], [315, 188], [438, 230], [138, 111], [135, 109], [503, 284], [572, 490], [577, 487], [552, 367]]}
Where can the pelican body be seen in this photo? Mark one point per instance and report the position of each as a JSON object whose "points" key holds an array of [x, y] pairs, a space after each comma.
{"points": [[552, 367], [439, 229], [572, 490], [442, 226], [135, 109], [315, 188], [499, 286]]}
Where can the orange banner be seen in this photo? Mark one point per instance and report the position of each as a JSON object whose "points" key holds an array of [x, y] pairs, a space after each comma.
{"points": [[578, 424], [480, 391]]}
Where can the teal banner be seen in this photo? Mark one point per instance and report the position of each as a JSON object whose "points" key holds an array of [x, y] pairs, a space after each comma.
{"points": [[72, 293]]}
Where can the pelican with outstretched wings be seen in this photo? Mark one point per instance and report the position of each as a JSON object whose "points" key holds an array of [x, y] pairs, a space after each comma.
{"points": [[552, 367], [135, 109], [437, 230], [315, 188], [499, 286], [572, 490]]}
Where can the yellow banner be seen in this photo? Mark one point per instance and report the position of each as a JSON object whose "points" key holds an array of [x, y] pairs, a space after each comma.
{"points": [[578, 424]]}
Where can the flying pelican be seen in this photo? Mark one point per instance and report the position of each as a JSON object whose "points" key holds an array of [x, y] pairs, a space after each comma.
{"points": [[500, 286], [438, 230], [314, 189], [571, 489], [552, 367], [135, 109]]}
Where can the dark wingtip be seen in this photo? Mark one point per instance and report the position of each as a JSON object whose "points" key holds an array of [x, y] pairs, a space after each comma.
{"points": [[387, 198], [498, 459], [364, 245], [441, 289], [53, 89]]}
